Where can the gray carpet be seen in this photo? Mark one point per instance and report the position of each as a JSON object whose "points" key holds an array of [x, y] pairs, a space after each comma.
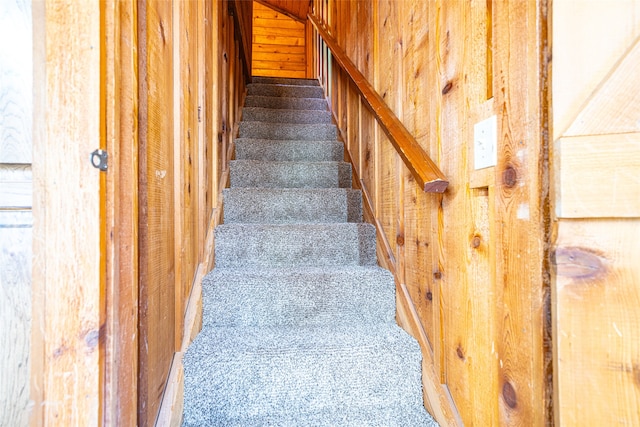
{"points": [[299, 321]]}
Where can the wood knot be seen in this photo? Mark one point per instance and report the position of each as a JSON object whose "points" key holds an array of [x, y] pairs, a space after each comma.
{"points": [[429, 296], [509, 176], [578, 263], [91, 339], [437, 275], [400, 240], [459, 352], [447, 88], [509, 395], [475, 242]]}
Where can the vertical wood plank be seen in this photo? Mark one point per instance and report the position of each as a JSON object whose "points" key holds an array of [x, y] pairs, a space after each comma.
{"points": [[204, 210], [520, 235], [121, 124], [186, 130], [67, 230], [156, 227]]}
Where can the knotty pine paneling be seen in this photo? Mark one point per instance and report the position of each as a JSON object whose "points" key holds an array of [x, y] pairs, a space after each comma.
{"points": [[183, 169], [471, 259], [278, 48], [113, 266]]}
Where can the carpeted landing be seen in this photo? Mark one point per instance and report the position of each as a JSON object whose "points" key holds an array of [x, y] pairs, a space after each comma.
{"points": [[299, 321]]}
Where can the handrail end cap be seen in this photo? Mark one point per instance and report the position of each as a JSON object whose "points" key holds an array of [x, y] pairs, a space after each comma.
{"points": [[436, 186]]}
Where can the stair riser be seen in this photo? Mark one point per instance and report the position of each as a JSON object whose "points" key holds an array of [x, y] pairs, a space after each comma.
{"points": [[272, 115], [242, 245], [321, 298], [290, 174], [303, 132], [285, 81], [369, 416], [278, 206], [283, 151], [286, 103], [292, 91]]}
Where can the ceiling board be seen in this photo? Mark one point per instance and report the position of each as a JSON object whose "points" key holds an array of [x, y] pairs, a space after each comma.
{"points": [[297, 9]]}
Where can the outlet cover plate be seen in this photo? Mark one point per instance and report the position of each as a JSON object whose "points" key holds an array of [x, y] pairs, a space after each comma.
{"points": [[485, 142]]}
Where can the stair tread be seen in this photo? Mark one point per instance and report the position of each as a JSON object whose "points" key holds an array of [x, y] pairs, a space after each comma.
{"points": [[296, 131], [277, 115], [263, 245], [311, 340], [290, 174], [276, 90], [291, 205], [298, 296], [272, 370], [288, 150]]}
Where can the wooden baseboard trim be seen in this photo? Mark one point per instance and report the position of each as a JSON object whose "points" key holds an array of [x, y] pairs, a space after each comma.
{"points": [[437, 398], [170, 413]]}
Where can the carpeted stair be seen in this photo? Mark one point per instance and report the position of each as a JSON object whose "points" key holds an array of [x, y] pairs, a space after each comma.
{"points": [[299, 321]]}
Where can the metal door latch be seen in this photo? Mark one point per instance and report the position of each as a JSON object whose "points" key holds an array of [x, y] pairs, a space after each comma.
{"points": [[99, 159]]}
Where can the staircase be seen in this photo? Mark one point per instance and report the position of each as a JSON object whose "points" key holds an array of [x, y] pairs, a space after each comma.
{"points": [[299, 321]]}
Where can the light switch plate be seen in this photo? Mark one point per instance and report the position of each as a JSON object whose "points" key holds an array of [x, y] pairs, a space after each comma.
{"points": [[485, 142]]}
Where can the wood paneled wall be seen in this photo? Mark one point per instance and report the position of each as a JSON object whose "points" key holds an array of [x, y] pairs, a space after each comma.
{"points": [[16, 136], [278, 44], [471, 265], [596, 207], [191, 79], [118, 254]]}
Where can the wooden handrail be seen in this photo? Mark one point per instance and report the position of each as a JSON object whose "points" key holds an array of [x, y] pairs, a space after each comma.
{"points": [[424, 170]]}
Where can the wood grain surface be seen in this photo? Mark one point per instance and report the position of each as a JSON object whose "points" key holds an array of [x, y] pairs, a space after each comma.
{"points": [[279, 44], [68, 277]]}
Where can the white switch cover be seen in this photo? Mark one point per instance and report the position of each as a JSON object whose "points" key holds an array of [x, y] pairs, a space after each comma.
{"points": [[485, 141]]}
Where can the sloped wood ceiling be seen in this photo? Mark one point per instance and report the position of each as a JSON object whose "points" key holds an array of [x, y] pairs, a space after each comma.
{"points": [[295, 8]]}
